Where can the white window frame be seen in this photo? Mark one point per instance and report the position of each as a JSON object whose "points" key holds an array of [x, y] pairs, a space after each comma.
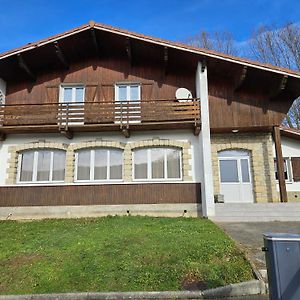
{"points": [[288, 163], [92, 165], [73, 86], [127, 85], [238, 158], [35, 167], [149, 165]]}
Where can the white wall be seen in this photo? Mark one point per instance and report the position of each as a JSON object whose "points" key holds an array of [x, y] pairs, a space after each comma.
{"points": [[180, 135], [290, 148]]}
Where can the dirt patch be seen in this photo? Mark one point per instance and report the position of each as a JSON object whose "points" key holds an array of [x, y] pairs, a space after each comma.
{"points": [[20, 260], [192, 282]]}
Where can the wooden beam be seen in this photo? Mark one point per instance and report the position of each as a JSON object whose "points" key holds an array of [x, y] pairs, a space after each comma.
{"points": [[203, 64], [60, 55], [126, 132], [197, 130], [2, 137], [280, 164], [166, 59], [67, 133], [281, 86], [128, 49], [241, 78], [25, 67], [95, 41]]}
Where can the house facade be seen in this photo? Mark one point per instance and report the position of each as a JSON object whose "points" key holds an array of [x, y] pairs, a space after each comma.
{"points": [[99, 121]]}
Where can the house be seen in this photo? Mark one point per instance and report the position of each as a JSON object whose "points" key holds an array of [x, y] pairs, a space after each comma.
{"points": [[290, 142], [99, 120]]}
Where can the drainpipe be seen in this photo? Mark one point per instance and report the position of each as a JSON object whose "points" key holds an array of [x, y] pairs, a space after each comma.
{"points": [[207, 188]]}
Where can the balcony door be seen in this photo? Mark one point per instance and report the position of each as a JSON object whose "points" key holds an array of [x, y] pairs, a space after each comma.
{"points": [[235, 176], [72, 97], [128, 103]]}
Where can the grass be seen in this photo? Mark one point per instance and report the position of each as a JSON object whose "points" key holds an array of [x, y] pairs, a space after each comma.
{"points": [[117, 254]]}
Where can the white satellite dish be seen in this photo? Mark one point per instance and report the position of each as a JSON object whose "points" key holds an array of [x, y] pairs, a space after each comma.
{"points": [[183, 94]]}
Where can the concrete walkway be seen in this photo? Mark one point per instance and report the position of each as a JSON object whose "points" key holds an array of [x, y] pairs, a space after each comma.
{"points": [[259, 297], [250, 236]]}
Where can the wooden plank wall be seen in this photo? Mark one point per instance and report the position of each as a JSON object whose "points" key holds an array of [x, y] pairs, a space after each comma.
{"points": [[229, 109], [100, 77], [107, 194]]}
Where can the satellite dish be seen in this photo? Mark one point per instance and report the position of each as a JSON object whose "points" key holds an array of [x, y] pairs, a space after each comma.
{"points": [[183, 94]]}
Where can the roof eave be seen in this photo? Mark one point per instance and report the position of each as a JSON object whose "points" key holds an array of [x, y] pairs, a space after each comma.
{"points": [[156, 41]]}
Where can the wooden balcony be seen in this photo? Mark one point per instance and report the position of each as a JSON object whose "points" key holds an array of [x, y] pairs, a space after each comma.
{"points": [[100, 116]]}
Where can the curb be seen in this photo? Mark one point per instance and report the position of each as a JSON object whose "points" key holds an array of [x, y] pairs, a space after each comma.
{"points": [[248, 288]]}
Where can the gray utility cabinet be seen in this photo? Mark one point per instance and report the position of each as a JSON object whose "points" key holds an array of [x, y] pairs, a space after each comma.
{"points": [[283, 265]]}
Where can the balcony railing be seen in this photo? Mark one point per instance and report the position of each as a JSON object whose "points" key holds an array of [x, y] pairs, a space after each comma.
{"points": [[113, 114]]}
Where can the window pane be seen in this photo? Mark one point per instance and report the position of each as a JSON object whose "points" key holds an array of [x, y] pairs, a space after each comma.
{"points": [[100, 170], [228, 170], [27, 166], [233, 153], [286, 175], [116, 158], [67, 94], [83, 168], [79, 94], [59, 158], [134, 92], [173, 163], [245, 170], [140, 164], [157, 163], [122, 92], [43, 167]]}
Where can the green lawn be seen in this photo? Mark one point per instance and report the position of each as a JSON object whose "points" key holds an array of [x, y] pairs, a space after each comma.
{"points": [[116, 254]]}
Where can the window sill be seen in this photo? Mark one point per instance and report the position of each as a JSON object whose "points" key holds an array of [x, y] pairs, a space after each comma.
{"points": [[39, 182]]}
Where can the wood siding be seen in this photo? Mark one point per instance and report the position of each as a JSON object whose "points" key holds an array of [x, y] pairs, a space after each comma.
{"points": [[107, 194], [239, 97], [244, 109], [99, 76], [296, 168]]}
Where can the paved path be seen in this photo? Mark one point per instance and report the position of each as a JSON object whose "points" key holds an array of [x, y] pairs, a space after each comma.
{"points": [[247, 298], [250, 236]]}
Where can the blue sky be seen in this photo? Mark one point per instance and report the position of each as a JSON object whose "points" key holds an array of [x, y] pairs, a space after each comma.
{"points": [[24, 21]]}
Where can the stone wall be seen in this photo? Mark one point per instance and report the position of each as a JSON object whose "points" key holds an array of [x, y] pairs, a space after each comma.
{"points": [[262, 165], [128, 148]]}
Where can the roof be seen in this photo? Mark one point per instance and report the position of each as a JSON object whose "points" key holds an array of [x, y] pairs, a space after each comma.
{"points": [[290, 132], [166, 43]]}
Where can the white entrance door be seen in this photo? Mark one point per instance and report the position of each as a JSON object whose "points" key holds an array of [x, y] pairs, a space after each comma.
{"points": [[235, 176]]}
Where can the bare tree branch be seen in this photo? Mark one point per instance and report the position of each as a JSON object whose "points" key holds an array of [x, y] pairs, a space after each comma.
{"points": [[218, 41]]}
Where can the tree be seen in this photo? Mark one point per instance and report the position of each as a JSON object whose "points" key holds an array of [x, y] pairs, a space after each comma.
{"points": [[280, 47], [218, 41], [268, 44]]}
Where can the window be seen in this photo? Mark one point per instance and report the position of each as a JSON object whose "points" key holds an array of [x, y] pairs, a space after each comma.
{"points": [[72, 93], [157, 163], [128, 92], [42, 166], [234, 166], [1, 97], [99, 164], [287, 169]]}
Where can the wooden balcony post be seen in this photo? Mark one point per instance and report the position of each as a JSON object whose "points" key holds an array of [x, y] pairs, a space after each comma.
{"points": [[280, 164], [207, 189]]}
